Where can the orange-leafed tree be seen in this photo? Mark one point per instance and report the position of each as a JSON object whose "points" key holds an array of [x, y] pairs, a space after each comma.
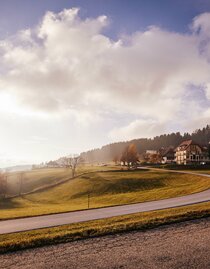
{"points": [[130, 156], [155, 158]]}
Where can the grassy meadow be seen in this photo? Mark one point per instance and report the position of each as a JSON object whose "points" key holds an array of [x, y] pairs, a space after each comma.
{"points": [[107, 188], [71, 232], [207, 172], [35, 179], [40, 178]]}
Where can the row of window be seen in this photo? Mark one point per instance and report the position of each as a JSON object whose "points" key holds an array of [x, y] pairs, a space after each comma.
{"points": [[192, 157]]}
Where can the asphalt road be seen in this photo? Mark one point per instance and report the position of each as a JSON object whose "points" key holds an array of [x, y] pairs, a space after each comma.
{"points": [[178, 246], [24, 224]]}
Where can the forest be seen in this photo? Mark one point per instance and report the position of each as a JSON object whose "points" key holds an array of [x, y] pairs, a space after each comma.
{"points": [[114, 151]]}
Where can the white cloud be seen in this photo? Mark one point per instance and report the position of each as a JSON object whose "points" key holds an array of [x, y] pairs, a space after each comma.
{"points": [[67, 66], [137, 129], [71, 64], [201, 25]]}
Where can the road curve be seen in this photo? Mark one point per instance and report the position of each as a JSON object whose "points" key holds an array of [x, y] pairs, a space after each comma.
{"points": [[31, 223]]}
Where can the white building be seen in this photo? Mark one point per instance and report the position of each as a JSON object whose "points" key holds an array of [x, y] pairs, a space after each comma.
{"points": [[189, 152]]}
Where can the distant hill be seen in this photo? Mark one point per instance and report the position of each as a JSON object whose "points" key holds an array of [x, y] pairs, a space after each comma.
{"points": [[111, 151], [18, 168]]}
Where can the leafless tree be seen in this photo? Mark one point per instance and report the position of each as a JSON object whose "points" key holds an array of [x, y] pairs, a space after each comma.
{"points": [[21, 178], [116, 159], [3, 185], [72, 162]]}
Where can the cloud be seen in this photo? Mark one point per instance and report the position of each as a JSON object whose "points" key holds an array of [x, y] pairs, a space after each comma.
{"points": [[66, 64], [137, 129], [201, 25]]}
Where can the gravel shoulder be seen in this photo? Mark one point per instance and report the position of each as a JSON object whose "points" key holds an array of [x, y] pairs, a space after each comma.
{"points": [[183, 245]]}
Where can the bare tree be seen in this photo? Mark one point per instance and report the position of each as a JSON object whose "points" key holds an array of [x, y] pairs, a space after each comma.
{"points": [[3, 185], [21, 178], [72, 162], [116, 159]]}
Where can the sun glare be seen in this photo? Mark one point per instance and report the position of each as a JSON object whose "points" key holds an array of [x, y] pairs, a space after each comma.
{"points": [[9, 104]]}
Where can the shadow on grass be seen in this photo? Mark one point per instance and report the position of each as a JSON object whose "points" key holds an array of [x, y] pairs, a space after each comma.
{"points": [[125, 170], [8, 204]]}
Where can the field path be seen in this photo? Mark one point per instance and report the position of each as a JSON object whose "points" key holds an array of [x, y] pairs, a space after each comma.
{"points": [[31, 223]]}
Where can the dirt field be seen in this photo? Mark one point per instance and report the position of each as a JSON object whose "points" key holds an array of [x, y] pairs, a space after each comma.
{"points": [[185, 245]]}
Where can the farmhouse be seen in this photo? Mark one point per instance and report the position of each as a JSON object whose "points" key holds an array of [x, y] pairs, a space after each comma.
{"points": [[167, 155], [151, 156], [190, 152]]}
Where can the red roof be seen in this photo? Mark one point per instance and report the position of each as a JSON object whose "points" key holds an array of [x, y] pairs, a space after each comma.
{"points": [[185, 144]]}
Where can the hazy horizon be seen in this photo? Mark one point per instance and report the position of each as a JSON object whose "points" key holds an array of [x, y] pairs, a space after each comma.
{"points": [[76, 75]]}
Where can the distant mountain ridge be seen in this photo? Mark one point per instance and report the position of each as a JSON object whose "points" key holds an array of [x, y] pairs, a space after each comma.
{"points": [[111, 151], [17, 168]]}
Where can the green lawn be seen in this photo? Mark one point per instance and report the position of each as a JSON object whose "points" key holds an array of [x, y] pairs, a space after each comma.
{"points": [[106, 189]]}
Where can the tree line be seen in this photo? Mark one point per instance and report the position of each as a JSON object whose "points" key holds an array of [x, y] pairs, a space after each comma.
{"points": [[113, 151]]}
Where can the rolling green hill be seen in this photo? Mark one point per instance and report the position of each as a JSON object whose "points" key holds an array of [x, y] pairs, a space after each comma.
{"points": [[105, 189], [41, 178], [34, 179]]}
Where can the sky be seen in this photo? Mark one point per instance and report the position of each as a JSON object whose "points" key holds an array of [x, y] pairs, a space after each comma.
{"points": [[75, 75]]}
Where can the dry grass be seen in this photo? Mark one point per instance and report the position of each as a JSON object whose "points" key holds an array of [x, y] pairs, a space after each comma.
{"points": [[67, 233], [39, 178], [105, 189]]}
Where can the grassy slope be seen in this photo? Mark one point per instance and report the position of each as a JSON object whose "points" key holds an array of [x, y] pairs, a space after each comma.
{"points": [[67, 233], [199, 171], [37, 178], [106, 189]]}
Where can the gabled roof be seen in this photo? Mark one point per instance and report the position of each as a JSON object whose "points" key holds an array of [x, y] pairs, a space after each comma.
{"points": [[185, 144], [167, 151]]}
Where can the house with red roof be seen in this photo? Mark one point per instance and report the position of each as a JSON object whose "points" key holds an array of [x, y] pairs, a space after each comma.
{"points": [[190, 152]]}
